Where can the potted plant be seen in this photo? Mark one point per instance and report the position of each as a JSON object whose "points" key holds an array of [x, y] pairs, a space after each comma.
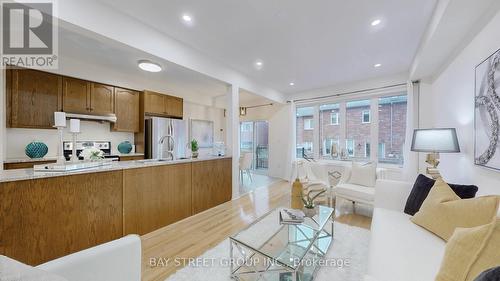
{"points": [[194, 148], [309, 202]]}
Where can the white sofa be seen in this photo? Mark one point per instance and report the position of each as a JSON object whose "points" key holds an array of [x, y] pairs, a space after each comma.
{"points": [[118, 260], [399, 249]]}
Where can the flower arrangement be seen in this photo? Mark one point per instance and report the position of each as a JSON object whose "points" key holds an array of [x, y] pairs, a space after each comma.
{"points": [[92, 153]]}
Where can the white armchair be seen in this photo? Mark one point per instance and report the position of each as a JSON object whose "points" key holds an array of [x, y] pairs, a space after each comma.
{"points": [[356, 193]]}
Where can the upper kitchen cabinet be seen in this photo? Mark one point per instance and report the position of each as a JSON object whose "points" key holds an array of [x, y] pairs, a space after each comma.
{"points": [[32, 98], [126, 110], [157, 104], [101, 99], [174, 106], [80, 96], [76, 94]]}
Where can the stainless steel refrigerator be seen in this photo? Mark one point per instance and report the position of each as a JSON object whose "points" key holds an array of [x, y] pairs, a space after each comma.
{"points": [[165, 138]]}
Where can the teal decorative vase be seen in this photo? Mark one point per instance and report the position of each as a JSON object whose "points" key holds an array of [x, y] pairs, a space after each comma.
{"points": [[125, 147], [36, 149]]}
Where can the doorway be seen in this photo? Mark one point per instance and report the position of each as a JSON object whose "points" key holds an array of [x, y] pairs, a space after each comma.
{"points": [[254, 138]]}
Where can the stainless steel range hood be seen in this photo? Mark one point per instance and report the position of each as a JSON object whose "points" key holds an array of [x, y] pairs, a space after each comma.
{"points": [[108, 118]]}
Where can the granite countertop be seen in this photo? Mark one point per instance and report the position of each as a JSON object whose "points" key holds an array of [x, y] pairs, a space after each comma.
{"points": [[28, 174], [129, 155], [26, 159], [53, 158]]}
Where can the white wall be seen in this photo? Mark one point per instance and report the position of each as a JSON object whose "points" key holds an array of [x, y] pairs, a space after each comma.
{"points": [[280, 129], [448, 101]]}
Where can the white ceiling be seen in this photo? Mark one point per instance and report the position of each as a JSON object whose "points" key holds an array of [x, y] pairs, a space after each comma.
{"points": [[312, 43], [116, 63]]}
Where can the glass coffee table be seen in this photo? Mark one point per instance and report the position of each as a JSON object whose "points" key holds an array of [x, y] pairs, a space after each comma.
{"points": [[268, 250]]}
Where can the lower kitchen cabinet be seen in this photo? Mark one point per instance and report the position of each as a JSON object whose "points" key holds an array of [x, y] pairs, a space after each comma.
{"points": [[47, 218], [43, 219], [212, 181], [154, 197]]}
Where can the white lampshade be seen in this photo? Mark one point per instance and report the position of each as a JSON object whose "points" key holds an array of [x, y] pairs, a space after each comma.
{"points": [[435, 140]]}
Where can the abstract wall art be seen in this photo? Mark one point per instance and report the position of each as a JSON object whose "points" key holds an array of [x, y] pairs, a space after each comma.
{"points": [[487, 109], [203, 132]]}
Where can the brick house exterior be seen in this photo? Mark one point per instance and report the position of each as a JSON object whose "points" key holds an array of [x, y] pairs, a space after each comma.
{"points": [[392, 130]]}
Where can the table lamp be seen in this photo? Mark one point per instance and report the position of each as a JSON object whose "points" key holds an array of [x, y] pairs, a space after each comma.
{"points": [[434, 141]]}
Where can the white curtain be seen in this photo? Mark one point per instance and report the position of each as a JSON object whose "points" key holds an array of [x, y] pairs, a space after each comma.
{"points": [[290, 157], [410, 166]]}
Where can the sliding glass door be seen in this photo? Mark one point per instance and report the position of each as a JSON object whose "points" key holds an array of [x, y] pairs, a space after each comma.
{"points": [[254, 139]]}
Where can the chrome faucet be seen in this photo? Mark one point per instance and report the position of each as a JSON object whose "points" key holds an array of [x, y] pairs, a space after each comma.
{"points": [[170, 146]]}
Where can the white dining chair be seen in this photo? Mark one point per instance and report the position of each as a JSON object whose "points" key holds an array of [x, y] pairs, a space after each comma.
{"points": [[246, 165]]}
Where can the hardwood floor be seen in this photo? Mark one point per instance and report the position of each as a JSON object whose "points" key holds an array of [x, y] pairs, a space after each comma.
{"points": [[193, 236]]}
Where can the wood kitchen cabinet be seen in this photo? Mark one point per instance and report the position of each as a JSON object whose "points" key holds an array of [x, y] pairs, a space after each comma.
{"points": [[47, 218], [126, 111], [162, 105], [32, 98], [174, 106], [154, 197], [76, 94], [102, 99], [211, 184], [84, 97]]}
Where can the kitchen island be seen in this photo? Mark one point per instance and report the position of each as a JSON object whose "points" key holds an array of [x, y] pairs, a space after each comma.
{"points": [[45, 215]]}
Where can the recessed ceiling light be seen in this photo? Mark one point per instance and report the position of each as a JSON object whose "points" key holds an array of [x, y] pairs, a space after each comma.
{"points": [[149, 66], [291, 84], [187, 18], [377, 65], [259, 64], [376, 22]]}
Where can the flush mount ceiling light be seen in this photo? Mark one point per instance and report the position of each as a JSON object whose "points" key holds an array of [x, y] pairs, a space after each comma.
{"points": [[377, 65], [376, 22], [291, 84], [187, 18], [259, 64], [149, 66]]}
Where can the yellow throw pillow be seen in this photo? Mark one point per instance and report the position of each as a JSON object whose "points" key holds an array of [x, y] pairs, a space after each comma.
{"points": [[471, 251], [443, 211]]}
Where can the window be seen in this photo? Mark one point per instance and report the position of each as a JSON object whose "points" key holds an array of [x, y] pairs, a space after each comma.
{"points": [[349, 144], [308, 145], [331, 147], [334, 118], [246, 137], [381, 151], [328, 115], [308, 124], [305, 137], [334, 128], [246, 126], [391, 128], [365, 116], [356, 129]]}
